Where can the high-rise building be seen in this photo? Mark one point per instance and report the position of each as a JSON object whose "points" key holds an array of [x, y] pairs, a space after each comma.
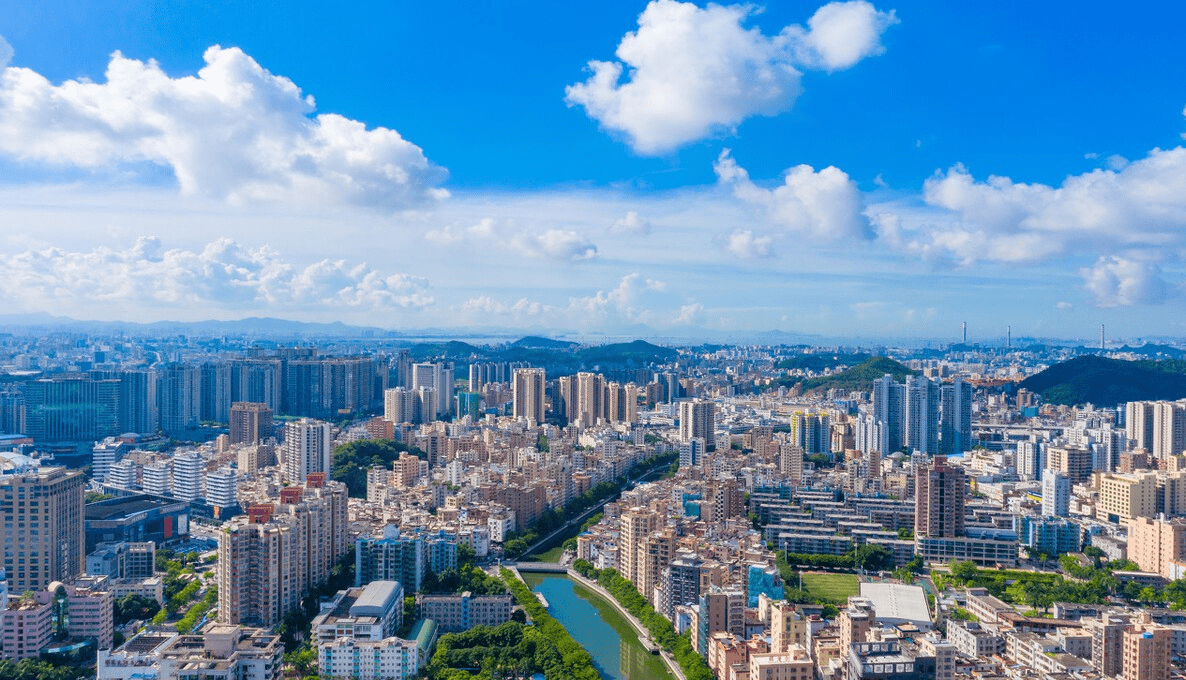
{"points": [[922, 415], [811, 432], [137, 401], [391, 557], [42, 511], [698, 419], [529, 389], [251, 422], [437, 376], [1107, 642], [469, 404], [1138, 424], [188, 471], [1029, 459], [939, 500], [1147, 651], [1075, 462], [1155, 543], [123, 475], [682, 584], [307, 448], [179, 398], [889, 410], [1169, 429], [71, 409], [257, 380], [590, 399], [221, 485], [1056, 494], [956, 417], [282, 548], [564, 401], [158, 478], [216, 391], [401, 405], [104, 454], [634, 526], [622, 403]]}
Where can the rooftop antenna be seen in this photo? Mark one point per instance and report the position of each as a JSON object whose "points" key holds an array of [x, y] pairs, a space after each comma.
{"points": [[965, 332]]}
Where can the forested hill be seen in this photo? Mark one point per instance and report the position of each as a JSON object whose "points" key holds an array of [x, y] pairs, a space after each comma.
{"points": [[1107, 382]]}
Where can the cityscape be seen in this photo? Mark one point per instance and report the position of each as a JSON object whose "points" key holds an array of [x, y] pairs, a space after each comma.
{"points": [[631, 340]]}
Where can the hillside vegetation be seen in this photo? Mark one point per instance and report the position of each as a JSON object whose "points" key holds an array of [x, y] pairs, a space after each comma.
{"points": [[859, 377], [1107, 382]]}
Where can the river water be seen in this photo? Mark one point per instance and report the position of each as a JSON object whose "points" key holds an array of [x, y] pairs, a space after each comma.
{"points": [[598, 627]]}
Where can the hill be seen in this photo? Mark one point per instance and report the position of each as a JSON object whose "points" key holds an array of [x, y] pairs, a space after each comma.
{"points": [[637, 352], [1107, 382], [820, 361], [536, 342], [861, 376]]}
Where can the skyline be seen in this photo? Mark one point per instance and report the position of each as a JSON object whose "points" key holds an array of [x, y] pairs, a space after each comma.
{"points": [[844, 197]]}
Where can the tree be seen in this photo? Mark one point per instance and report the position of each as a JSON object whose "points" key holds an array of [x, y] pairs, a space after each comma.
{"points": [[964, 571], [134, 607], [872, 557]]}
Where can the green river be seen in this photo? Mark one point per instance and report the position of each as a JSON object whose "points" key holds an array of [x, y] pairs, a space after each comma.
{"points": [[598, 627]]}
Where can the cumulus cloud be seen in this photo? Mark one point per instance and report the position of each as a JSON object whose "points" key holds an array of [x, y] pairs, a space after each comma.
{"points": [[1117, 281], [565, 245], [689, 314], [234, 131], [690, 72], [840, 34], [744, 243], [223, 274], [556, 244], [484, 304], [631, 223], [824, 205], [1139, 206]]}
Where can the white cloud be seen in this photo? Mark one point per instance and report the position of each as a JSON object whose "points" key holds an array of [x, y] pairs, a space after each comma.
{"points": [[1063, 306], [222, 275], [1117, 282], [6, 52], [235, 132], [689, 314], [631, 223], [484, 304], [692, 72], [842, 33], [1140, 206], [556, 244], [824, 205], [745, 244]]}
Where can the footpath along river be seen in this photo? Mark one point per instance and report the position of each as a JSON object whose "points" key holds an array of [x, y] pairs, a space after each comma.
{"points": [[598, 627]]}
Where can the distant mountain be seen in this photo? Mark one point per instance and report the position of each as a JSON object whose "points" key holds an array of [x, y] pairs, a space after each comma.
{"points": [[1107, 382], [453, 349], [861, 376], [1154, 351], [261, 327], [536, 342], [637, 352]]}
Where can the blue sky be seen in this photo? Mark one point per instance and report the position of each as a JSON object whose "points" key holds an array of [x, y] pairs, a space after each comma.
{"points": [[453, 181]]}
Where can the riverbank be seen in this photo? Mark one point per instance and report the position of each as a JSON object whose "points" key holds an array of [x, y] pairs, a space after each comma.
{"points": [[598, 626], [668, 660]]}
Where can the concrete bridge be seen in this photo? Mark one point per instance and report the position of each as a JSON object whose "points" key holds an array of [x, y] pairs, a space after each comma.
{"points": [[554, 567]]}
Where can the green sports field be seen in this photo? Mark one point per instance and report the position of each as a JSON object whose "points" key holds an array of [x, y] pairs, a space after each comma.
{"points": [[832, 587]]}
